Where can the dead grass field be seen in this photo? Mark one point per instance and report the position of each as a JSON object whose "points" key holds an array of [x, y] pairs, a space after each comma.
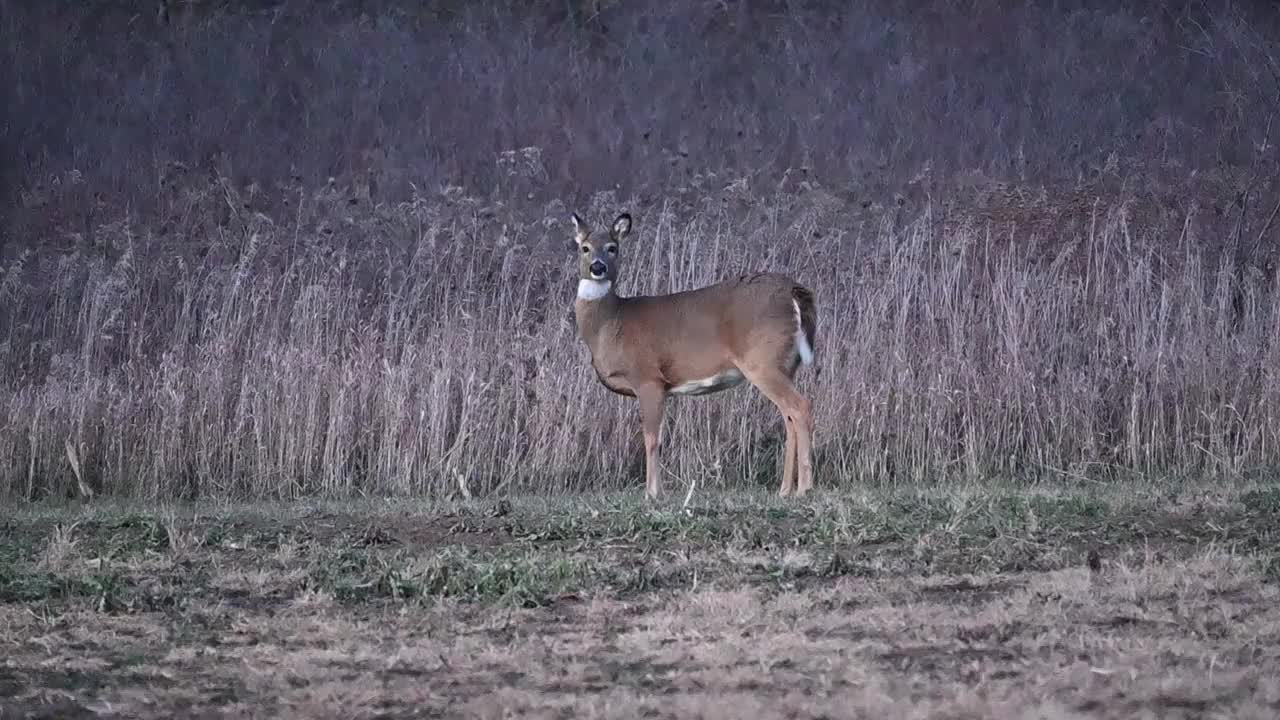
{"points": [[980, 602]]}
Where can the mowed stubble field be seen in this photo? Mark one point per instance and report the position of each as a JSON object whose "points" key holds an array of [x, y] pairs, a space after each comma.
{"points": [[968, 601]]}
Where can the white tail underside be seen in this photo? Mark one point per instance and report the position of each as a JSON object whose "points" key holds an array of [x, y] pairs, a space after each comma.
{"points": [[802, 343]]}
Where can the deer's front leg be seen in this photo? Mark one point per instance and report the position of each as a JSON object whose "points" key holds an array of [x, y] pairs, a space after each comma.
{"points": [[652, 398]]}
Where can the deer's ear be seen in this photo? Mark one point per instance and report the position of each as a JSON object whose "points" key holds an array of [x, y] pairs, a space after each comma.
{"points": [[621, 227], [579, 229]]}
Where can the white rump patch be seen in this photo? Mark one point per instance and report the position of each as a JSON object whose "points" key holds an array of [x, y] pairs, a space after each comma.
{"points": [[722, 381], [802, 343], [593, 289]]}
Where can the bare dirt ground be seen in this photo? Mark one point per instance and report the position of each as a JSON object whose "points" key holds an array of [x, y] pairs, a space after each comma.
{"points": [[971, 603]]}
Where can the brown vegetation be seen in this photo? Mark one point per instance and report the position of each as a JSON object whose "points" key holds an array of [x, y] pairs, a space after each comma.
{"points": [[429, 346]]}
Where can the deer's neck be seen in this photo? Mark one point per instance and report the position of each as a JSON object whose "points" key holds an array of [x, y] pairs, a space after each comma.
{"points": [[596, 308]]}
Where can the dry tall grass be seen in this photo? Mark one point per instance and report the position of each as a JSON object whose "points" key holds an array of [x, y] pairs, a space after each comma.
{"points": [[339, 347]]}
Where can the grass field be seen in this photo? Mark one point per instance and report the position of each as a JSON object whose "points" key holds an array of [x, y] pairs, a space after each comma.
{"points": [[976, 601]]}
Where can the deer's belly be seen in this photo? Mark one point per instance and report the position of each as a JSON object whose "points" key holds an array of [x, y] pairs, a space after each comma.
{"points": [[721, 381]]}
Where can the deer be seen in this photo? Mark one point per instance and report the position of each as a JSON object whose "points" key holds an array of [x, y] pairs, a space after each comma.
{"points": [[756, 328]]}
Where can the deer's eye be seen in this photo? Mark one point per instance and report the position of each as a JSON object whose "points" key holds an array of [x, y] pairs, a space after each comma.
{"points": [[586, 250], [611, 249]]}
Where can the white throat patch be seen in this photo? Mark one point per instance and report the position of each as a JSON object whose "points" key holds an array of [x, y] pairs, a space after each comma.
{"points": [[593, 289]]}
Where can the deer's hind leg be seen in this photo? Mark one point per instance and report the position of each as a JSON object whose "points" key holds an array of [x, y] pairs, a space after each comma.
{"points": [[776, 384], [788, 459]]}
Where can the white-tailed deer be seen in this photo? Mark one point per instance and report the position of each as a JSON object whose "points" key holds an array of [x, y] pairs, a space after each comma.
{"points": [[757, 328]]}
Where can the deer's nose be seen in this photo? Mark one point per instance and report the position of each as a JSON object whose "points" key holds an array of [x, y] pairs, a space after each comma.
{"points": [[598, 268]]}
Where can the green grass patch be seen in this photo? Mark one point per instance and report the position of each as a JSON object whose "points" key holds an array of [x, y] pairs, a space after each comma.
{"points": [[1264, 500], [527, 579], [531, 552]]}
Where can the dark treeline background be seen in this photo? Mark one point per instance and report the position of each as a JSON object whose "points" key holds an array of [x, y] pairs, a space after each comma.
{"points": [[864, 95]]}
